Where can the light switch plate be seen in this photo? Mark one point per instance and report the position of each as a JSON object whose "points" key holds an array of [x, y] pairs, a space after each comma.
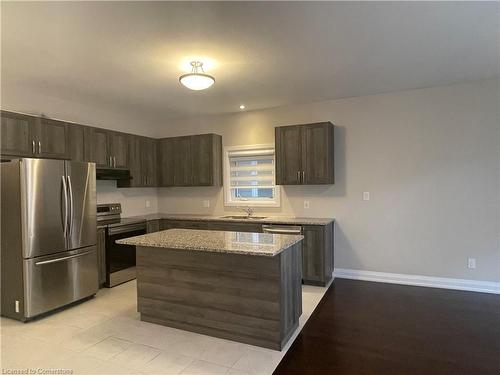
{"points": [[471, 263], [148, 203], [366, 195], [206, 203], [306, 204]]}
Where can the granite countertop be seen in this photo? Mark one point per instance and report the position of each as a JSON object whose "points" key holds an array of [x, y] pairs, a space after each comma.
{"points": [[261, 244], [265, 220]]}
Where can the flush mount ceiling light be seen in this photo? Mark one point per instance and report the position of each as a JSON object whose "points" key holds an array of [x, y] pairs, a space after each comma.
{"points": [[242, 107], [197, 79]]}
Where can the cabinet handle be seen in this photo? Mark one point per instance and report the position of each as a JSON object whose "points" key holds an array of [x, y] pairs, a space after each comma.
{"points": [[303, 176], [33, 147], [114, 161], [39, 147], [298, 175]]}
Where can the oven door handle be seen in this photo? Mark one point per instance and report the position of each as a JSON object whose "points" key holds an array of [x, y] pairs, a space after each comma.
{"points": [[126, 228]]}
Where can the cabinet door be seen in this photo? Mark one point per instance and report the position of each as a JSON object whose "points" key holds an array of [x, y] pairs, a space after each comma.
{"points": [[153, 226], [119, 149], [317, 154], [101, 255], [99, 144], [149, 165], [135, 151], [16, 134], [165, 154], [313, 247], [288, 150], [51, 139], [182, 162], [202, 159], [78, 142]]}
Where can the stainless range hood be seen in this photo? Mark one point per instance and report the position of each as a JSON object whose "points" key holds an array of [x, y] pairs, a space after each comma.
{"points": [[112, 174]]}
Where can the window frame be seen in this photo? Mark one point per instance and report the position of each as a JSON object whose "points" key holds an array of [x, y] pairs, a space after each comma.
{"points": [[228, 202]]}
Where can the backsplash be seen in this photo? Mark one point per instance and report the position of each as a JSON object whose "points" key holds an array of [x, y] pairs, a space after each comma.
{"points": [[133, 200]]}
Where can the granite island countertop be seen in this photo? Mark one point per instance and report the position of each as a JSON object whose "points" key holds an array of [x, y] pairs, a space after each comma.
{"points": [[260, 244], [264, 220]]}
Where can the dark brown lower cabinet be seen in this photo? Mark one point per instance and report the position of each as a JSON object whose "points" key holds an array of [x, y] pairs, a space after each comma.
{"points": [[184, 224], [235, 227], [153, 226], [317, 246], [101, 255], [317, 254]]}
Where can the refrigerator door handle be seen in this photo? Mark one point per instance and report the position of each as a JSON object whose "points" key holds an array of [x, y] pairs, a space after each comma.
{"points": [[71, 205], [62, 259], [65, 194]]}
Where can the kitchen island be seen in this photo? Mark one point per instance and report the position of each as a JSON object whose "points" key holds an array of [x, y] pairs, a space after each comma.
{"points": [[240, 286]]}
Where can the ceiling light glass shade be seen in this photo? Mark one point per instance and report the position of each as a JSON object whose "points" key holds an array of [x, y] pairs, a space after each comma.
{"points": [[197, 80]]}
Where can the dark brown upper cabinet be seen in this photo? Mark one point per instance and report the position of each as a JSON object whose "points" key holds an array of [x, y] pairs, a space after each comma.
{"points": [[109, 149], [148, 161], [17, 135], [142, 163], [118, 146], [100, 152], [182, 170], [52, 139], [165, 157], [79, 142], [305, 154], [28, 136], [206, 160], [190, 160]]}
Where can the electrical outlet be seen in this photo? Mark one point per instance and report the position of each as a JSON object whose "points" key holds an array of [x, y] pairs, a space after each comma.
{"points": [[148, 203], [366, 195], [206, 203], [471, 263], [306, 204]]}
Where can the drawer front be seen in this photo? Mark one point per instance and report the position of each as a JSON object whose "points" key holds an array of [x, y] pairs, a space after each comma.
{"points": [[235, 227], [184, 224]]}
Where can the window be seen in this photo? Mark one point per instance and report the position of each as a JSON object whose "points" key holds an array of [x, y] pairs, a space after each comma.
{"points": [[249, 176]]}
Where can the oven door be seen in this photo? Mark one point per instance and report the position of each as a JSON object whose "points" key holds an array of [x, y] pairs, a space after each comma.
{"points": [[120, 259]]}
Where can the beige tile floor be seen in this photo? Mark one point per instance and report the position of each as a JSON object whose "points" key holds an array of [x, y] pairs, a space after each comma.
{"points": [[105, 336]]}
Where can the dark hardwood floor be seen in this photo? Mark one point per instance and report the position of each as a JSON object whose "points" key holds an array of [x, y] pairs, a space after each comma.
{"points": [[363, 327]]}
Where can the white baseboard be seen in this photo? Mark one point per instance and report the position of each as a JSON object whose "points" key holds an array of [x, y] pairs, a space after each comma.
{"points": [[419, 280]]}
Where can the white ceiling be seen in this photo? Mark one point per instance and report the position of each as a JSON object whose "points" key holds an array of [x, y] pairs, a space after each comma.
{"points": [[264, 54]]}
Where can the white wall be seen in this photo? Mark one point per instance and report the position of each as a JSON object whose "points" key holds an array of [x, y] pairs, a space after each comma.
{"points": [[429, 157], [133, 200]]}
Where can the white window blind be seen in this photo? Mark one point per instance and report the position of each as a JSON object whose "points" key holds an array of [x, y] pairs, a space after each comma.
{"points": [[251, 176]]}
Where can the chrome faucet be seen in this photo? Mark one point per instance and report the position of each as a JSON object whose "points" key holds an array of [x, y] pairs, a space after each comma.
{"points": [[248, 210]]}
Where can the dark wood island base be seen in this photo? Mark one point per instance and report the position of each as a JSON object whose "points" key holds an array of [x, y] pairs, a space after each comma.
{"points": [[247, 298]]}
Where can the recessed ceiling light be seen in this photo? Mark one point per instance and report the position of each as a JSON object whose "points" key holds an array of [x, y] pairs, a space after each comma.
{"points": [[242, 106], [197, 79]]}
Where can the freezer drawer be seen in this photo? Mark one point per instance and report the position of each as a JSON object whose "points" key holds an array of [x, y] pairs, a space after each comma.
{"points": [[57, 280]]}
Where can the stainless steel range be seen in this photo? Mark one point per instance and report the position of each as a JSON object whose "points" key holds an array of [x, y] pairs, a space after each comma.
{"points": [[120, 259]]}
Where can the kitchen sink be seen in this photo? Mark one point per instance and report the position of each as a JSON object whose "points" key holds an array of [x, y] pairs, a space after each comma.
{"points": [[243, 217]]}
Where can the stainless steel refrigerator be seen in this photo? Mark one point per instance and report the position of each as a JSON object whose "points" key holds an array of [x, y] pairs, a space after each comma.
{"points": [[48, 235]]}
